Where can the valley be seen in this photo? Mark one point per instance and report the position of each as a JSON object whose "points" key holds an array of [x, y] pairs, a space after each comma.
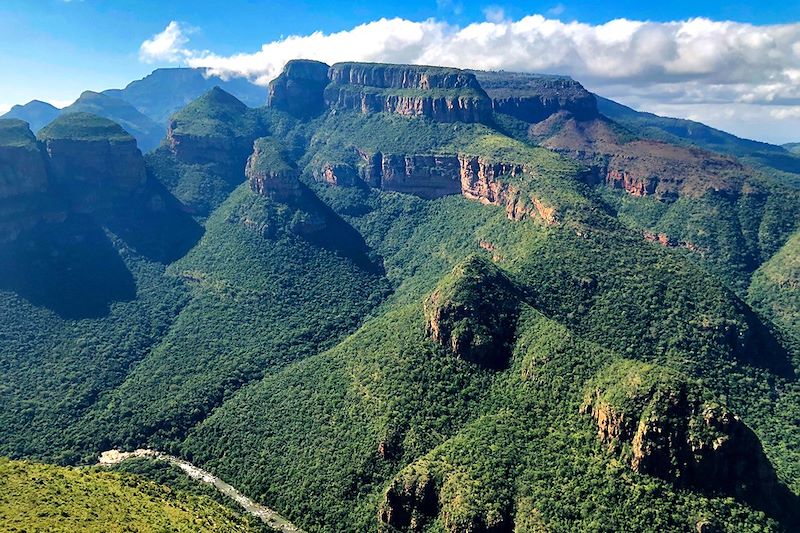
{"points": [[406, 298]]}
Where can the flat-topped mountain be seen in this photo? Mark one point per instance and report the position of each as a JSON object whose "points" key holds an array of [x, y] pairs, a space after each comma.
{"points": [[412, 298]]}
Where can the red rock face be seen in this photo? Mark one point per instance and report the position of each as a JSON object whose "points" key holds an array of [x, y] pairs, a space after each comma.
{"points": [[641, 168], [281, 185], [370, 89], [432, 176]]}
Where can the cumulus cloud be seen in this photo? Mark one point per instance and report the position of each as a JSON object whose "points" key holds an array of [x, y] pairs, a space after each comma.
{"points": [[167, 46], [692, 62]]}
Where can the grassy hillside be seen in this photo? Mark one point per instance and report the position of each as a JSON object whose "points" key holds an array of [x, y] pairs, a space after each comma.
{"points": [[371, 360], [37, 497]]}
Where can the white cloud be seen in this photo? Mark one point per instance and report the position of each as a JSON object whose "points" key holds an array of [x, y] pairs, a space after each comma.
{"points": [[494, 14], [557, 10], [4, 108], [691, 63], [167, 46]]}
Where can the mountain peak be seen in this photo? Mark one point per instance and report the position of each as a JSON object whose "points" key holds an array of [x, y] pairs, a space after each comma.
{"points": [[85, 127]]}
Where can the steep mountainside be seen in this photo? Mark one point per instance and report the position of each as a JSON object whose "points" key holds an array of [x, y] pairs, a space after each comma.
{"points": [[684, 131], [36, 113], [424, 299], [166, 90], [36, 497], [147, 132]]}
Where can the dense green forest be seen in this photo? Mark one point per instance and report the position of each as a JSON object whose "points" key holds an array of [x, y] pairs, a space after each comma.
{"points": [[360, 359]]}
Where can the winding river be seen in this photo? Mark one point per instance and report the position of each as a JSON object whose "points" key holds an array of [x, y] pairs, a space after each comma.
{"points": [[267, 515]]}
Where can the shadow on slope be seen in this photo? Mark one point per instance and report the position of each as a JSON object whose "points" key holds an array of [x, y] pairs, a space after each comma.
{"points": [[155, 224], [338, 236], [70, 268]]}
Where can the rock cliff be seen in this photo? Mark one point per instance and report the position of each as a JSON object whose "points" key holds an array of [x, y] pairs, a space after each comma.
{"points": [[436, 175], [534, 97], [441, 94], [676, 430], [93, 160], [270, 173], [214, 129], [24, 183], [640, 167], [473, 312], [299, 88]]}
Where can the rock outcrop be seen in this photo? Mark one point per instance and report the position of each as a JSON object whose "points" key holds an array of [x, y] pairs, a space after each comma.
{"points": [[640, 167], [427, 176], [441, 94], [299, 89], [24, 183], [410, 501], [93, 160], [677, 431], [270, 173], [214, 129], [534, 97], [473, 312], [433, 176]]}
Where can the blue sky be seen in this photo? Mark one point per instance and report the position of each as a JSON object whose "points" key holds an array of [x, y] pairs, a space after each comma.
{"points": [[54, 49]]}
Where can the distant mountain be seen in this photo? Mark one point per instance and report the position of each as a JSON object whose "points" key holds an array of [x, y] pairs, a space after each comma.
{"points": [[413, 298], [36, 113], [793, 147], [147, 132], [667, 129], [166, 90]]}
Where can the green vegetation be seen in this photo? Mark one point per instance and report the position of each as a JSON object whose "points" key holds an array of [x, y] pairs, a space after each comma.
{"points": [[148, 134], [37, 497], [84, 127], [311, 352], [215, 114], [775, 287], [16, 133]]}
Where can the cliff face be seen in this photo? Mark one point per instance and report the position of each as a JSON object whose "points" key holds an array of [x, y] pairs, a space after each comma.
{"points": [[677, 431], [473, 312], [92, 169], [427, 176], [214, 129], [433, 176], [640, 167], [270, 174], [23, 179], [533, 97], [441, 94], [299, 88]]}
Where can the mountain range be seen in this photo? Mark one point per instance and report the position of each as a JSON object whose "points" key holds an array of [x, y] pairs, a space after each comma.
{"points": [[144, 106], [407, 298]]}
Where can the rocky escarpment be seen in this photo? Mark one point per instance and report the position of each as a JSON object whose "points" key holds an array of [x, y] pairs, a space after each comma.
{"points": [[427, 176], [270, 173], [673, 429], [639, 167], [410, 501], [436, 175], [441, 94], [472, 313], [534, 97], [93, 160], [214, 129], [24, 184], [299, 88]]}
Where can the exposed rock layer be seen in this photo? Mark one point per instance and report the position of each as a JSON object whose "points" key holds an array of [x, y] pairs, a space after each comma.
{"points": [[441, 94], [299, 88]]}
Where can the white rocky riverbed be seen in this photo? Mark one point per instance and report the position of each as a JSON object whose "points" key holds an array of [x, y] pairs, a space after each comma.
{"points": [[267, 515]]}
